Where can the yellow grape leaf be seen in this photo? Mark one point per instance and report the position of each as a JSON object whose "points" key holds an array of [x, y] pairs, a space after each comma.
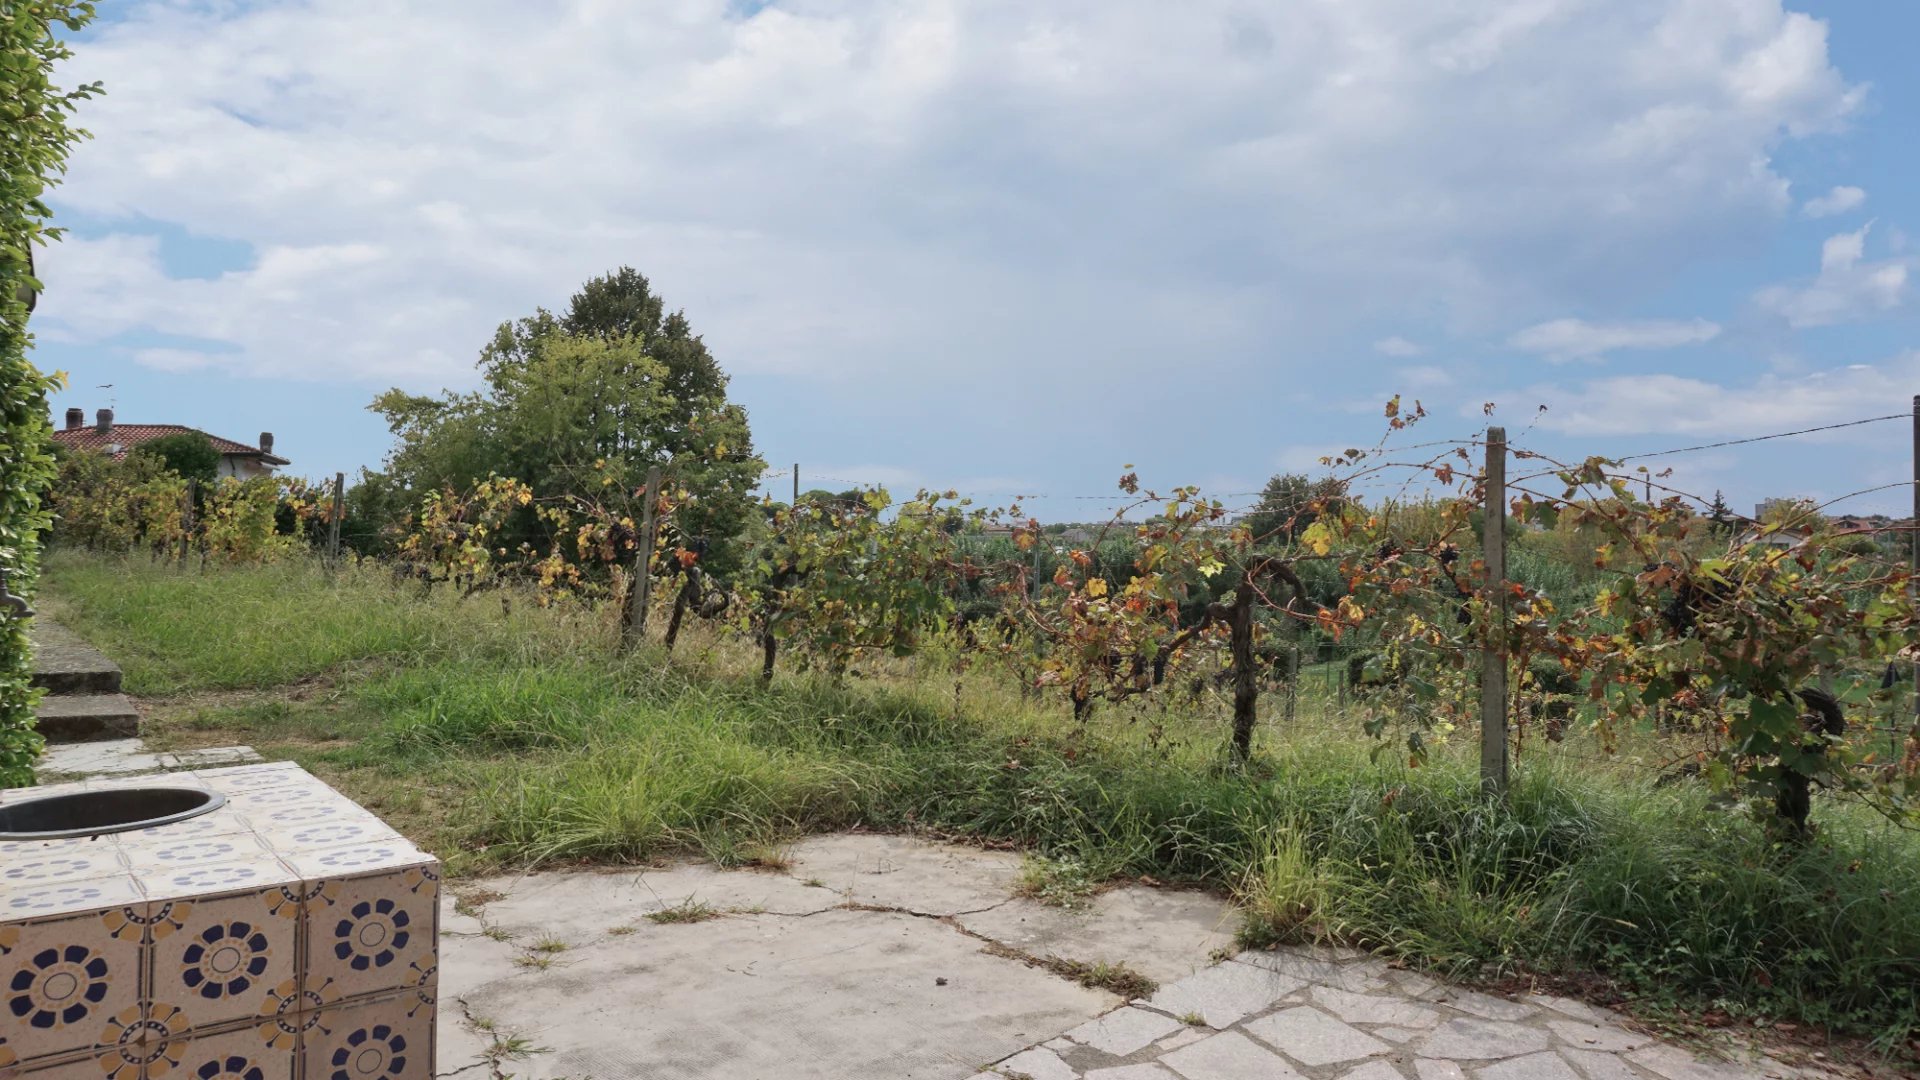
{"points": [[1318, 537], [1211, 567], [1096, 587]]}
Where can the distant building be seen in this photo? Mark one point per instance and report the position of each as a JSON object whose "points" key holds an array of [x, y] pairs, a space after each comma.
{"points": [[237, 459]]}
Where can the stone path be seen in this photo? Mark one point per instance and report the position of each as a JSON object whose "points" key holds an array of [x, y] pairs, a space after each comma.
{"points": [[1322, 1015]]}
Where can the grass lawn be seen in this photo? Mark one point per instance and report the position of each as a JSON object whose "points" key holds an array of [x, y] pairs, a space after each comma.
{"points": [[498, 733]]}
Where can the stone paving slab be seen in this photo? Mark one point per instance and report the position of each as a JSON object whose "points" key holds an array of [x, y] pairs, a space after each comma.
{"points": [[1347, 1017], [1167, 934], [125, 757]]}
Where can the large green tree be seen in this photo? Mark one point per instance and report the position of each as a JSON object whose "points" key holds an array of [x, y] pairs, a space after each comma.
{"points": [[1289, 504], [609, 388], [35, 136]]}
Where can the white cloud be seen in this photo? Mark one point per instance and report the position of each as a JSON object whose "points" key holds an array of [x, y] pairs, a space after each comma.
{"points": [[1577, 339], [1681, 405], [174, 359], [829, 186], [1423, 377], [1847, 287], [1838, 201], [1397, 346]]}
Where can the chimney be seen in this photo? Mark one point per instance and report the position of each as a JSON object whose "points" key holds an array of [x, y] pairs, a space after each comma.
{"points": [[105, 422], [76, 419], [266, 442]]}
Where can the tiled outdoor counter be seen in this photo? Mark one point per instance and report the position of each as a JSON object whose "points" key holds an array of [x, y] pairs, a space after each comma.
{"points": [[287, 935]]}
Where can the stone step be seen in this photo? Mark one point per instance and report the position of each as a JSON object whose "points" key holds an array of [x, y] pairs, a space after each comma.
{"points": [[83, 717], [63, 662]]}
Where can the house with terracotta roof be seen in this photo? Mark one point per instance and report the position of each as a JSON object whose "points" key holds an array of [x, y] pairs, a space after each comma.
{"points": [[237, 459]]}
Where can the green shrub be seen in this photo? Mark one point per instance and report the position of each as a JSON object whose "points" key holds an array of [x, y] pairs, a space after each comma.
{"points": [[32, 156]]}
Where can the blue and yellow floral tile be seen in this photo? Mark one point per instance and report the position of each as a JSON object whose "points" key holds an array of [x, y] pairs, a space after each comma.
{"points": [[379, 1039], [222, 958], [64, 981], [242, 1054], [371, 935]]}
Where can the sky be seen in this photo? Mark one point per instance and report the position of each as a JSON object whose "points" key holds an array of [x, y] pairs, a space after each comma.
{"points": [[1012, 248]]}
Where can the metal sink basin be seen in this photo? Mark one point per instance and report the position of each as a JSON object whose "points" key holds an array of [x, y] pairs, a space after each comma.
{"points": [[110, 810]]}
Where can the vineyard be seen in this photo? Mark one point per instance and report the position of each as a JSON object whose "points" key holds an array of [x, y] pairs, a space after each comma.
{"points": [[1701, 792], [1759, 648]]}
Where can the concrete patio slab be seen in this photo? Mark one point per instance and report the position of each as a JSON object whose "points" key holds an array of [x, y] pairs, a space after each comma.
{"points": [[1164, 934]]}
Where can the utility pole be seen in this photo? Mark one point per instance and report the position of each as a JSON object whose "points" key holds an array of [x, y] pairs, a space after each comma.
{"points": [[1493, 658]]}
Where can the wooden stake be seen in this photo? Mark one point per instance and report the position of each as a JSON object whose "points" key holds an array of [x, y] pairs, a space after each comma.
{"points": [[1493, 661], [641, 592], [337, 511]]}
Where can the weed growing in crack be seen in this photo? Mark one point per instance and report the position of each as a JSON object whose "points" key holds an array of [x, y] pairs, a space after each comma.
{"points": [[686, 911]]}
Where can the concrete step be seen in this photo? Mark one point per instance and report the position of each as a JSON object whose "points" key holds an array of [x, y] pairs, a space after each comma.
{"points": [[83, 717], [63, 662]]}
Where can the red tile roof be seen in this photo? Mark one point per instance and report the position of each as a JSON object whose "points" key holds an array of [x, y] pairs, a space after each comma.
{"points": [[128, 436]]}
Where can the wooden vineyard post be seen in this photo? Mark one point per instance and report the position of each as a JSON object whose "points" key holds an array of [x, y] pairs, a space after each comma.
{"points": [[640, 593], [335, 512], [1913, 555], [1493, 660], [187, 500]]}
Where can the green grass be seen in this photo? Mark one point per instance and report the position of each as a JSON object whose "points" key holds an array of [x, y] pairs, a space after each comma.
{"points": [[521, 737]]}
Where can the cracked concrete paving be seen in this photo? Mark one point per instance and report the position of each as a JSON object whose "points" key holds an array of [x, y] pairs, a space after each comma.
{"points": [[885, 958], [866, 957]]}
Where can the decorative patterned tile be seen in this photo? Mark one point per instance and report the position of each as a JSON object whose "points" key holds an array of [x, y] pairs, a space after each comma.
{"points": [[53, 867], [251, 802], [290, 1012], [251, 1053], [222, 822], [382, 1039], [367, 935], [272, 819], [146, 1041], [13, 850], [354, 859], [63, 981], [192, 851], [206, 879], [342, 831], [68, 897], [253, 774], [223, 956]]}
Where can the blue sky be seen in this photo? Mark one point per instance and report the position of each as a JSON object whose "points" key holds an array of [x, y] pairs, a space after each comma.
{"points": [[1011, 247]]}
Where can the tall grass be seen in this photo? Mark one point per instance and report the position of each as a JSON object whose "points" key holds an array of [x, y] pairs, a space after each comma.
{"points": [[553, 747]]}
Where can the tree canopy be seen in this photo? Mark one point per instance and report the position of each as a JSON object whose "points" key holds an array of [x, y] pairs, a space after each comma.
{"points": [[1289, 504], [581, 405], [189, 454]]}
